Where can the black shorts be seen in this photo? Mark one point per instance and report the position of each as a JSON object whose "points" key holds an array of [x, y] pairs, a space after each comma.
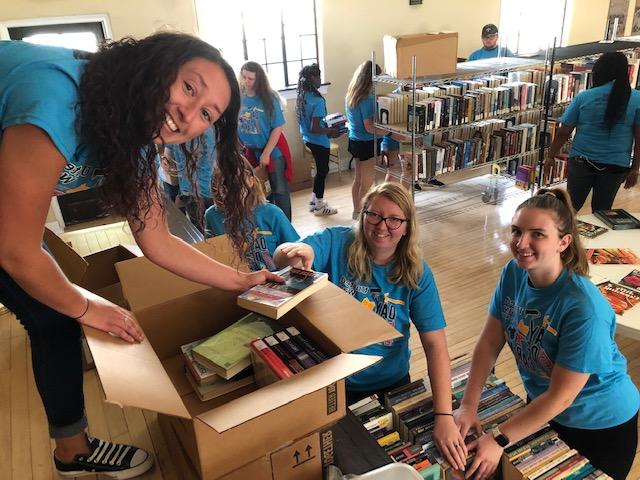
{"points": [[363, 149]]}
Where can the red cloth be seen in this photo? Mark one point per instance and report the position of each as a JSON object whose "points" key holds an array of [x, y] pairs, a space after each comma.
{"points": [[283, 146]]}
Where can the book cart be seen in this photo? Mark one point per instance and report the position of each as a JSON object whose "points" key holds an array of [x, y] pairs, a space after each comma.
{"points": [[537, 111]]}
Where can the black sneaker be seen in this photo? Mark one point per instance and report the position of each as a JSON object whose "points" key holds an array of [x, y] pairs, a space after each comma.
{"points": [[416, 186], [112, 460], [435, 183]]}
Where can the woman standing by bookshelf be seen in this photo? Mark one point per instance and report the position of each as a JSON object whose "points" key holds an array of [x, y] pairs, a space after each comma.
{"points": [[606, 118], [72, 120], [361, 113], [378, 262], [260, 130], [561, 331]]}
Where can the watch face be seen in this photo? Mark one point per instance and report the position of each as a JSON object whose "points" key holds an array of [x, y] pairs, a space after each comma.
{"points": [[501, 440]]}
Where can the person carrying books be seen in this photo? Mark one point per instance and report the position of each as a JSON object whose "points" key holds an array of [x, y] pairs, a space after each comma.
{"points": [[561, 332], [72, 120], [361, 112], [378, 262], [606, 119], [490, 47], [272, 227], [311, 108], [260, 130]]}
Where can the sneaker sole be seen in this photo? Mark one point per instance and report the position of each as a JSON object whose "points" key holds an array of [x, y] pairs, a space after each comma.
{"points": [[120, 475]]}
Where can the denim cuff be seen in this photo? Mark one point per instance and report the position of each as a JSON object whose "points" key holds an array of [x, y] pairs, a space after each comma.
{"points": [[68, 430]]}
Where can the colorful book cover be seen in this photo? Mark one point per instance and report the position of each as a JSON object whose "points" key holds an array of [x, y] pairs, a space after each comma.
{"points": [[620, 297], [590, 230], [612, 256], [632, 280]]}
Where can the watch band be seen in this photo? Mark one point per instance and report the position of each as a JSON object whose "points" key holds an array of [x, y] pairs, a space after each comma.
{"points": [[500, 438]]}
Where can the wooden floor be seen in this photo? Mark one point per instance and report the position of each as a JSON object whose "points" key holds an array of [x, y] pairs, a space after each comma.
{"points": [[464, 241]]}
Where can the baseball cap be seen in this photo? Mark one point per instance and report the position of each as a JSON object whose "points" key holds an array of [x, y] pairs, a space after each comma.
{"points": [[489, 29]]}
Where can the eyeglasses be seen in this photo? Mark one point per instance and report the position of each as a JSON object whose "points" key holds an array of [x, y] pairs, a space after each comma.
{"points": [[393, 223]]}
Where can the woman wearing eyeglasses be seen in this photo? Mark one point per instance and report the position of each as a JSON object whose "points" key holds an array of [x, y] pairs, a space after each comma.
{"points": [[379, 262]]}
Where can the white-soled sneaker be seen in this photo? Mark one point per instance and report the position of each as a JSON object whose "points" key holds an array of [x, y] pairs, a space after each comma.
{"points": [[323, 209], [312, 206], [112, 460]]}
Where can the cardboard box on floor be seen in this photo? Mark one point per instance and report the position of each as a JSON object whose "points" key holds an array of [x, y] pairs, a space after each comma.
{"points": [[436, 54], [229, 432]]}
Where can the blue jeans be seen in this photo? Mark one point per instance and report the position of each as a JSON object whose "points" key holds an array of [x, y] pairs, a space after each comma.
{"points": [[280, 194], [56, 354], [583, 177]]}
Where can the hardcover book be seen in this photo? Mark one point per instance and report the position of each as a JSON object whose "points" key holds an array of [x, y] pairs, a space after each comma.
{"points": [[617, 219], [612, 256], [620, 297], [632, 280], [220, 386], [590, 230], [275, 299]]}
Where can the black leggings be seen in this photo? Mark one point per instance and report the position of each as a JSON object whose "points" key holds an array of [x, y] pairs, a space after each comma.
{"points": [[612, 450], [321, 156]]}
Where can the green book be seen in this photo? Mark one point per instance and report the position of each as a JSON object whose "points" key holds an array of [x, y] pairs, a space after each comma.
{"points": [[227, 353]]}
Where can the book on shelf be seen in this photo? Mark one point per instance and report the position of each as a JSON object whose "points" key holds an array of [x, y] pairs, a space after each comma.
{"points": [[632, 280], [199, 372], [620, 297], [274, 299], [590, 230], [219, 386], [618, 219], [609, 256], [227, 352]]}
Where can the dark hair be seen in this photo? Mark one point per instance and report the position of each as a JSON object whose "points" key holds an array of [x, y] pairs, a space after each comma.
{"points": [[613, 66], [262, 87], [123, 93], [557, 201], [305, 84]]}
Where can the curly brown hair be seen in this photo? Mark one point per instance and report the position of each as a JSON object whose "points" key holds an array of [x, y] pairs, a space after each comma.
{"points": [[123, 93]]}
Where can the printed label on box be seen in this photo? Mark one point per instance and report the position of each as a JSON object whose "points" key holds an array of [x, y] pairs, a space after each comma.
{"points": [[332, 398]]}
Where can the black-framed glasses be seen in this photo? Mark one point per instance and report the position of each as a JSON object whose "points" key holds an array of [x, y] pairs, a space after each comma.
{"points": [[393, 223]]}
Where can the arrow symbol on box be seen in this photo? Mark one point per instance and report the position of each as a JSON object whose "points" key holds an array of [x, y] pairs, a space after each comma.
{"points": [[297, 456], [308, 450]]}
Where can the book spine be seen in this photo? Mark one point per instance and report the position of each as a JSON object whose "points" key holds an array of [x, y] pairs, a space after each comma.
{"points": [[293, 349], [284, 355], [303, 342], [271, 359]]}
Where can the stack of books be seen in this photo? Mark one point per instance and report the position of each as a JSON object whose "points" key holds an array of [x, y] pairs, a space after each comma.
{"points": [[336, 120]]}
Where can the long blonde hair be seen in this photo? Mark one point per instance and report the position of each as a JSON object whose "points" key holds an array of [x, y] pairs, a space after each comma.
{"points": [[360, 85], [407, 262]]}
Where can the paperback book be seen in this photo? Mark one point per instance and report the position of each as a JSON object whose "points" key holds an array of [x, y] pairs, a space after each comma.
{"points": [[590, 230], [620, 297], [618, 219], [200, 373], [612, 256], [632, 280], [219, 386], [275, 299]]}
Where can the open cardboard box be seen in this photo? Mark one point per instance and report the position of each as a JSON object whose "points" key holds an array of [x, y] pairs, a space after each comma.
{"points": [[245, 426], [436, 54]]}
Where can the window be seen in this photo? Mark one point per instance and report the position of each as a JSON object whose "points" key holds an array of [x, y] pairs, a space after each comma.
{"points": [[528, 27], [281, 35]]}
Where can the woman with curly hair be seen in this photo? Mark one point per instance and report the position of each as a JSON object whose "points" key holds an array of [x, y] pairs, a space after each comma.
{"points": [[70, 121], [378, 261]]}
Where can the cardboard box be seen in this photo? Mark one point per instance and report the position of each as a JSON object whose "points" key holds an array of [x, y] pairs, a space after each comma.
{"points": [[226, 433], [436, 54]]}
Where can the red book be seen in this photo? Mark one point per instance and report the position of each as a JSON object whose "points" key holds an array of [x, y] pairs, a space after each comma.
{"points": [[274, 362]]}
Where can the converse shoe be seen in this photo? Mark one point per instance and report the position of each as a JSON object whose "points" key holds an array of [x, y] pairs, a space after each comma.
{"points": [[312, 205], [323, 209], [112, 460]]}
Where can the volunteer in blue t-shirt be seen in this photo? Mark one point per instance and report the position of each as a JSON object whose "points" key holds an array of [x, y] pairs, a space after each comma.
{"points": [[204, 148], [72, 120], [361, 113], [311, 108], [379, 263], [607, 122], [272, 227], [490, 47], [260, 126], [561, 332]]}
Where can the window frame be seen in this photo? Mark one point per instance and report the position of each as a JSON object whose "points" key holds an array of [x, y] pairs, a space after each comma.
{"points": [[36, 24]]}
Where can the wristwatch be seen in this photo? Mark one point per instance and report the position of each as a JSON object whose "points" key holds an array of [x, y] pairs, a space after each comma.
{"points": [[499, 437]]}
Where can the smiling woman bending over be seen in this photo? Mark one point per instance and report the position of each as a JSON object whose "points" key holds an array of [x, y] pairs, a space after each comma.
{"points": [[71, 120]]}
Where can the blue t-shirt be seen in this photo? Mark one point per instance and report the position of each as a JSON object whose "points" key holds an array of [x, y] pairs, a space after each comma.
{"points": [[593, 139], [396, 303], [314, 106], [39, 86], [204, 168], [272, 229], [483, 53], [569, 323], [356, 117], [255, 126]]}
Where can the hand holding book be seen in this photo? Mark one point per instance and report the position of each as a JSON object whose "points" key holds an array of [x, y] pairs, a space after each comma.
{"points": [[258, 278]]}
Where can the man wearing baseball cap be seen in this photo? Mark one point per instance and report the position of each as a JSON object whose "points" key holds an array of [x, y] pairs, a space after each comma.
{"points": [[490, 48]]}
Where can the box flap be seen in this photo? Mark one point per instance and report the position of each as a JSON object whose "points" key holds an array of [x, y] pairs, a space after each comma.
{"points": [[283, 392], [71, 263], [132, 375], [344, 321]]}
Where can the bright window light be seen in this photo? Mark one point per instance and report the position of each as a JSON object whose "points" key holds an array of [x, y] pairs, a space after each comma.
{"points": [[76, 40]]}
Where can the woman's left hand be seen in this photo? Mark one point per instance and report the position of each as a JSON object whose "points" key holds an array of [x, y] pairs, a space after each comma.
{"points": [[632, 179], [450, 442], [488, 454], [265, 160]]}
